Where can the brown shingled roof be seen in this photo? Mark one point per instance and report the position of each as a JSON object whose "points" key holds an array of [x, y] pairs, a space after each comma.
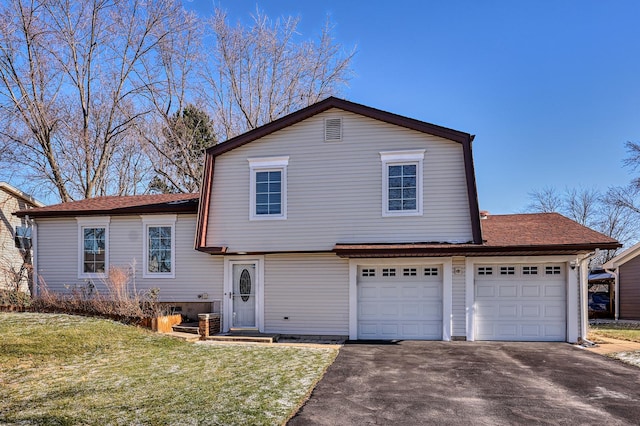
{"points": [[504, 235], [538, 229], [119, 205]]}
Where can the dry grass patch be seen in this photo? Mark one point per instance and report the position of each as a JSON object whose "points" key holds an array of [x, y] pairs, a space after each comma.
{"points": [[621, 331], [62, 369]]}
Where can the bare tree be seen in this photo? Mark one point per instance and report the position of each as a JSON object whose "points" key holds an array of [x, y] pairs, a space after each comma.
{"points": [[73, 85], [261, 73], [545, 200], [591, 208]]}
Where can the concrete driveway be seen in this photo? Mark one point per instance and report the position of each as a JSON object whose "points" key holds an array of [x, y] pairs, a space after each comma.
{"points": [[479, 383]]}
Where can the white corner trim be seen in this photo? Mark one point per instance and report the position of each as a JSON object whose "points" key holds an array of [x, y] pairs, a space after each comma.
{"points": [[470, 297], [447, 299]]}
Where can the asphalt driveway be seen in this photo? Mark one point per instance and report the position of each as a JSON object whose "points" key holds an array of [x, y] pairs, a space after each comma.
{"points": [[479, 383]]}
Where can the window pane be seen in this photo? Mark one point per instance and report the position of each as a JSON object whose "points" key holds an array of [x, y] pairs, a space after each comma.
{"points": [[395, 194], [395, 182], [159, 249], [274, 208], [409, 182], [94, 250], [409, 170], [409, 193], [262, 177], [395, 171], [402, 187], [268, 193], [408, 204], [395, 204]]}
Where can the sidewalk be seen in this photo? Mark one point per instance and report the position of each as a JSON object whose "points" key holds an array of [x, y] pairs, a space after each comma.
{"points": [[609, 346]]}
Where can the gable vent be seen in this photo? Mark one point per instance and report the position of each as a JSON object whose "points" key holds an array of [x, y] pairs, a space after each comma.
{"points": [[333, 129]]}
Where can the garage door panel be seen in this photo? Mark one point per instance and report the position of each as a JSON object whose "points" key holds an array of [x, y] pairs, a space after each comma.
{"points": [[507, 291], [520, 306], [531, 311], [529, 290], [400, 307], [554, 291]]}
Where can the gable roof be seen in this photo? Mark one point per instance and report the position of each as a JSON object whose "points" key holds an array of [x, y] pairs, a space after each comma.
{"points": [[119, 205], [463, 138], [505, 235], [15, 192], [622, 258]]}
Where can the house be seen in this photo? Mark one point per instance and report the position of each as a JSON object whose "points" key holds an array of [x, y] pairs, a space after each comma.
{"points": [[625, 268], [15, 249], [340, 219]]}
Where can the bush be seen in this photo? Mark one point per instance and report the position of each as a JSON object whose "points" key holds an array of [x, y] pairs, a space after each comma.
{"points": [[121, 300], [14, 299]]}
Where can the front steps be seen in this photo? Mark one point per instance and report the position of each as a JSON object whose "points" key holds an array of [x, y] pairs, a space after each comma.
{"points": [[187, 330]]}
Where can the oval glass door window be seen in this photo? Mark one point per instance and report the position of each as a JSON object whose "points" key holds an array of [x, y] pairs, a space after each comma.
{"points": [[245, 285]]}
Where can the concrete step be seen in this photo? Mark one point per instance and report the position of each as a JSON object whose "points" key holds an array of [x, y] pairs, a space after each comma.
{"points": [[190, 327]]}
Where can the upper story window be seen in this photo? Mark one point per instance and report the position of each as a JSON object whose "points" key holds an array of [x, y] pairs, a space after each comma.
{"points": [[268, 199], [402, 182], [93, 247], [159, 246]]}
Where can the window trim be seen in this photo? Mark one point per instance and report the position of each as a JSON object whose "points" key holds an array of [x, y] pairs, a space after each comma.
{"points": [[168, 220], [395, 158], [93, 222], [268, 164]]}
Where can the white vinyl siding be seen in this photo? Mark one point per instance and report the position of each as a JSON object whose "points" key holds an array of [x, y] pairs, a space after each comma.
{"points": [[312, 291], [334, 189], [195, 272]]}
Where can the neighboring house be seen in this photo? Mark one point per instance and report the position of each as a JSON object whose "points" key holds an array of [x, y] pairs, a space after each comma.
{"points": [[341, 219], [15, 253], [626, 269]]}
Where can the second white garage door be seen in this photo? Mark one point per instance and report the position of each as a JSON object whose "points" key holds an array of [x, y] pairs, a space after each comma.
{"points": [[520, 302], [403, 302]]}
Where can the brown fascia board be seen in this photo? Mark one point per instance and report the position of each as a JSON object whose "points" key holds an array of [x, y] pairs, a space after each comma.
{"points": [[470, 250], [465, 139], [345, 105], [203, 205], [187, 206]]}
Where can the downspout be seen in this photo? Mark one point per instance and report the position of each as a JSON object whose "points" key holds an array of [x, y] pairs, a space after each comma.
{"points": [[616, 297]]}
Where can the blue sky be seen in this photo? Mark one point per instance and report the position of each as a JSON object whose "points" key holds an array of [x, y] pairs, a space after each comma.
{"points": [[551, 89]]}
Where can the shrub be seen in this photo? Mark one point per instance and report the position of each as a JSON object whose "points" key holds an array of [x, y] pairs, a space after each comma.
{"points": [[120, 301]]}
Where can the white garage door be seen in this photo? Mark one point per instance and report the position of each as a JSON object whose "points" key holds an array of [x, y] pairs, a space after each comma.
{"points": [[520, 302], [403, 302]]}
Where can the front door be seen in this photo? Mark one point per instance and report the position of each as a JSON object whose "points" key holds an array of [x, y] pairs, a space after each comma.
{"points": [[243, 297]]}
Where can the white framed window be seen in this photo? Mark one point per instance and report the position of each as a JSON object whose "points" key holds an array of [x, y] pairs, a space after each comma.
{"points": [[93, 247], [268, 181], [159, 246], [402, 177]]}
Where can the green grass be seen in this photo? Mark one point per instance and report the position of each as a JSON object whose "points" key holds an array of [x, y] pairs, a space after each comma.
{"points": [[614, 331], [70, 370]]}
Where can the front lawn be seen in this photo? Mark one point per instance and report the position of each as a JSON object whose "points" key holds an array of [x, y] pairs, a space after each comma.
{"points": [[62, 369], [620, 331]]}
